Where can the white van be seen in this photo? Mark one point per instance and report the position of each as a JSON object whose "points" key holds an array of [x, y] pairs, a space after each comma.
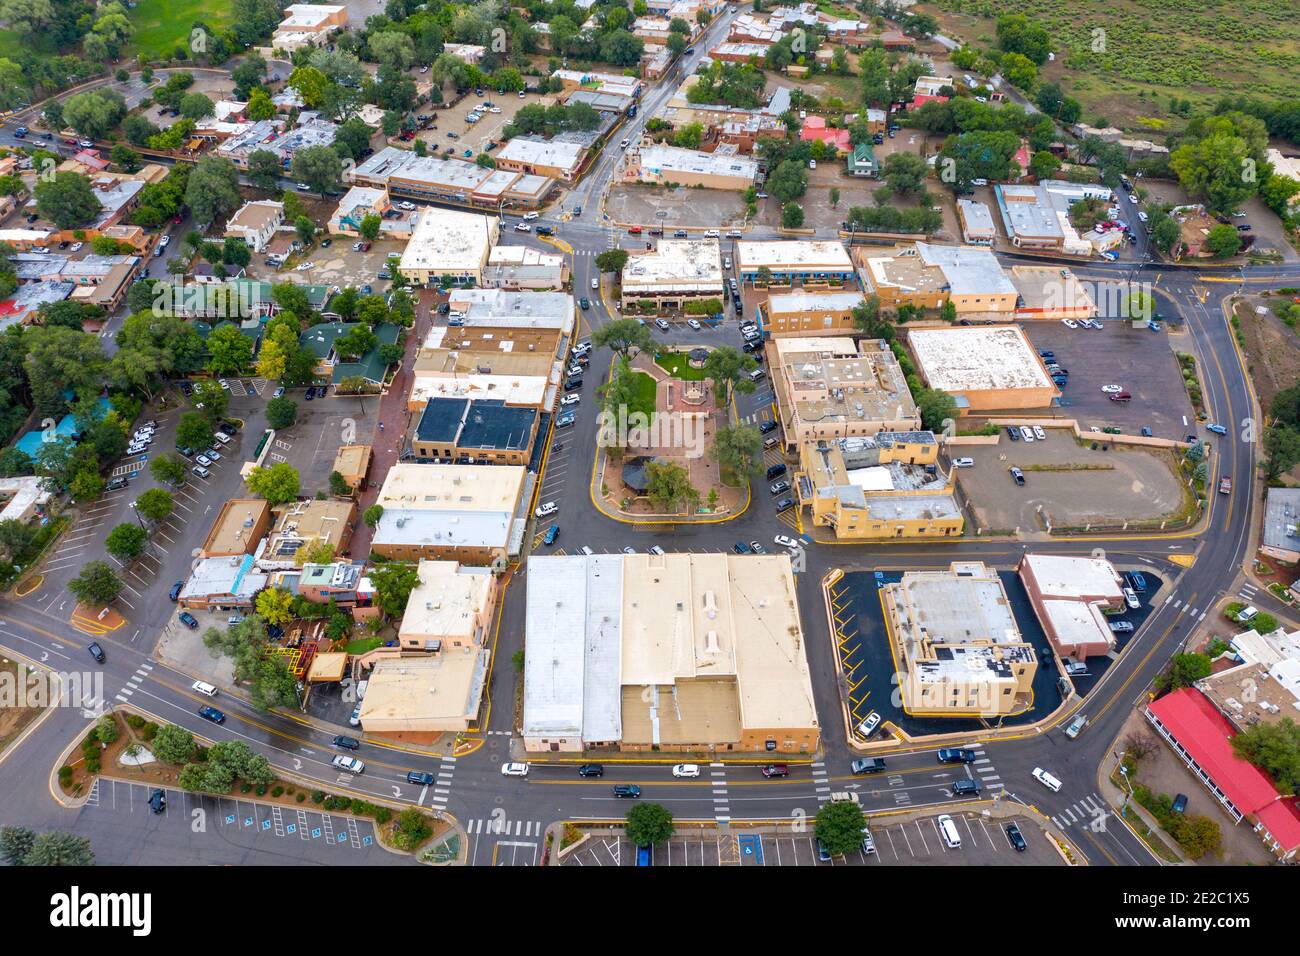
{"points": [[757, 375], [204, 688], [948, 830], [963, 462], [1046, 779]]}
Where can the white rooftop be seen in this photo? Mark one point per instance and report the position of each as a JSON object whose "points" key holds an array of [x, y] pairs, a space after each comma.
{"points": [[677, 265], [978, 358], [787, 254], [448, 241]]}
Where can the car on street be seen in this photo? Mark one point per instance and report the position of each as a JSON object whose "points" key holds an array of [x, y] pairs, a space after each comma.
{"points": [[776, 770], [627, 791], [347, 743], [1225, 486], [1015, 837], [1017, 475], [686, 770], [96, 651], [421, 778], [591, 770], [584, 302], [785, 541], [1046, 779], [212, 714], [1217, 429], [867, 765], [189, 620], [350, 764], [1112, 389], [523, 227], [514, 769], [547, 509], [955, 755], [530, 216]]}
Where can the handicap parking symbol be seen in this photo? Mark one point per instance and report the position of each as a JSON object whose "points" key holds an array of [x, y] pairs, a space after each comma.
{"points": [[315, 832], [342, 838], [266, 824], [365, 841], [230, 818], [248, 821], [291, 828]]}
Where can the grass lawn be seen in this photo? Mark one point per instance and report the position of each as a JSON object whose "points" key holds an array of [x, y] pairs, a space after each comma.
{"points": [[160, 25], [678, 364], [364, 645], [644, 401]]}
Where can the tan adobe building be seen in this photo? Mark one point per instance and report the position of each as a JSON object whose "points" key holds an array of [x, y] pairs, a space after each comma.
{"points": [[518, 378], [474, 514], [413, 699], [239, 526], [666, 165], [449, 243], [927, 276], [305, 524], [977, 227], [669, 652], [554, 159], [957, 649], [810, 313], [829, 388], [452, 607], [877, 487], [984, 368], [1050, 293], [677, 271], [353, 462], [521, 268], [307, 24], [1070, 595], [256, 223]]}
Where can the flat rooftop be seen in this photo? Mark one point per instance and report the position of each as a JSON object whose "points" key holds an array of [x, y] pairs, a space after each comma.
{"points": [[448, 241], [799, 302], [666, 159], [534, 152], [923, 267], [520, 310], [232, 530], [834, 387], [677, 265], [978, 358], [448, 602], [418, 487], [1078, 578], [484, 424], [799, 255], [1281, 519]]}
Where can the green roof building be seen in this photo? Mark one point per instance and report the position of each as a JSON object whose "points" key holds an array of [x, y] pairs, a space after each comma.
{"points": [[862, 162]]}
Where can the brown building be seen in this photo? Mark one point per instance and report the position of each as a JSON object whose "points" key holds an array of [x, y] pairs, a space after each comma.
{"points": [[928, 276], [352, 462], [810, 313], [984, 368], [1070, 596], [475, 431], [239, 526], [303, 525]]}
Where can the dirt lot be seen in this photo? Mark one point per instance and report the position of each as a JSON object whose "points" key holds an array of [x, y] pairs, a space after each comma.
{"points": [[1139, 360], [337, 265], [475, 136], [13, 720], [685, 208], [1272, 350], [1108, 485]]}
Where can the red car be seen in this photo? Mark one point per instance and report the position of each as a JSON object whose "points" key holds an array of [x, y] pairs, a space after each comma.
{"points": [[776, 770], [178, 218], [634, 231]]}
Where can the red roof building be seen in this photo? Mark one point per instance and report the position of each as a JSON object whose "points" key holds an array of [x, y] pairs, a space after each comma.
{"points": [[814, 127], [1202, 736]]}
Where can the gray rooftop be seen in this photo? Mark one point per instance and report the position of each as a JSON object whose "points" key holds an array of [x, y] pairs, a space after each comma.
{"points": [[1281, 519]]}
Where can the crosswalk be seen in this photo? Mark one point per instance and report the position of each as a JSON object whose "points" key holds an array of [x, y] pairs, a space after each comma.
{"points": [[141, 674], [984, 769], [1248, 592], [821, 782], [492, 826], [1091, 811], [721, 807], [442, 783], [1181, 608], [240, 387]]}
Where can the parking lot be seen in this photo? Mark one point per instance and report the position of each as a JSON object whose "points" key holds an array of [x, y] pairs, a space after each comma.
{"points": [[474, 136], [336, 265], [915, 842], [312, 442], [683, 208], [1140, 361], [1068, 482], [198, 828]]}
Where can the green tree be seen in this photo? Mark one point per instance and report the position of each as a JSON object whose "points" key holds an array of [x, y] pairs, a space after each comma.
{"points": [[212, 190], [193, 431], [649, 824], [126, 541], [369, 227], [94, 113], [669, 487], [230, 352], [1223, 241], [319, 167], [277, 484], [96, 584], [623, 335], [792, 215], [15, 843], [936, 406], [393, 583], [372, 515], [275, 606], [67, 200], [173, 744], [264, 169], [60, 849], [738, 449], [156, 504], [1183, 671], [839, 826], [281, 413], [612, 260], [728, 368], [788, 181], [1275, 749]]}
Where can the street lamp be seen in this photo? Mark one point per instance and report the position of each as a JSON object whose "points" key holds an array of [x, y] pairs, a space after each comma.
{"points": [[1123, 772]]}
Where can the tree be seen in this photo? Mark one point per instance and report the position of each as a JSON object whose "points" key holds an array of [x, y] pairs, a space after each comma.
{"points": [[612, 260], [275, 605], [623, 335], [212, 190], [264, 169], [319, 167], [94, 113], [67, 200], [369, 228], [788, 181], [792, 215], [339, 486], [411, 829], [126, 541], [834, 196], [16, 843], [1275, 749], [1044, 164], [86, 485], [1223, 241], [155, 504], [193, 431], [393, 583], [669, 487], [281, 413], [729, 368], [230, 351], [196, 106], [96, 584], [1184, 670], [372, 515], [60, 849], [839, 826], [649, 824], [1020, 35], [15, 538], [737, 449], [173, 744], [1019, 71], [1164, 232], [936, 406], [277, 484], [904, 173]]}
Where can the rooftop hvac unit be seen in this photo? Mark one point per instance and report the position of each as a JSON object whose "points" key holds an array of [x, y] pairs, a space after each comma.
{"points": [[711, 643]]}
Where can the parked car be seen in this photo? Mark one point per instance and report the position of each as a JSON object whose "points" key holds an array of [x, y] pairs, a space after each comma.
{"points": [[766, 427], [1015, 837], [157, 800], [552, 533], [741, 547], [1217, 429], [1131, 599], [189, 620], [780, 486], [963, 462], [547, 509], [1121, 627], [514, 769], [869, 724]]}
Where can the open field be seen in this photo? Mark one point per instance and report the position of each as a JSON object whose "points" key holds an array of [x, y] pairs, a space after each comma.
{"points": [[162, 25], [1195, 49]]}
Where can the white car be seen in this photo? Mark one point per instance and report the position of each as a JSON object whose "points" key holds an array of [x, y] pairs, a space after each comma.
{"points": [[350, 764], [868, 726], [304, 266], [1111, 389], [76, 246], [523, 227], [963, 462], [303, 186], [530, 216], [406, 206], [547, 509], [624, 144], [812, 164], [785, 541], [1143, 216], [1070, 323], [1026, 434], [595, 283], [686, 770], [1039, 433], [203, 460], [1046, 779], [514, 769], [1133, 199], [164, 242], [693, 323], [570, 400]]}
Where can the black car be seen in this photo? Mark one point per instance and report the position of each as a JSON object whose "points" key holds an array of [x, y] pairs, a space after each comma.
{"points": [[752, 347], [1013, 433], [96, 651], [766, 427], [785, 504], [956, 755], [591, 770], [175, 592], [627, 791], [347, 743], [115, 484], [775, 471], [421, 778], [157, 800], [741, 548], [212, 714], [1015, 837], [228, 428], [679, 234]]}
